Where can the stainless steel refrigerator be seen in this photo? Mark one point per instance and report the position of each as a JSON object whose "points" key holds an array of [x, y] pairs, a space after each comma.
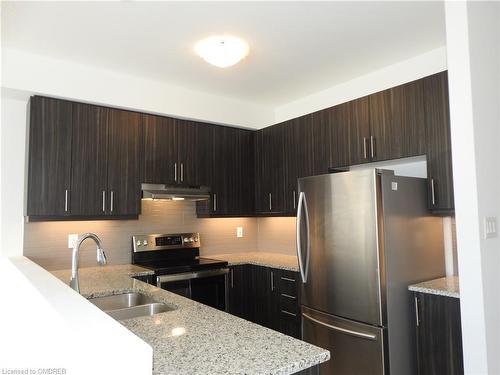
{"points": [[362, 237]]}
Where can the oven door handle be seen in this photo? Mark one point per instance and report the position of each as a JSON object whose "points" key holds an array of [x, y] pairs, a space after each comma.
{"points": [[190, 275]]}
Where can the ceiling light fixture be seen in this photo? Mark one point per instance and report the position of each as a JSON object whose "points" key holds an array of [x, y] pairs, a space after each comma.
{"points": [[222, 50]]}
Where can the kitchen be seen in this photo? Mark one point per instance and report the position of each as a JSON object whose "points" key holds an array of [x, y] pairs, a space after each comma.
{"points": [[160, 186]]}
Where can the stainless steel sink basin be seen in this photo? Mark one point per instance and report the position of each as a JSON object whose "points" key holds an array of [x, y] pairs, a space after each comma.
{"points": [[121, 301], [136, 311], [129, 305]]}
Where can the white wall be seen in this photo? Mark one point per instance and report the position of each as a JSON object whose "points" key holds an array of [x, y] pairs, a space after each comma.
{"points": [[31, 74], [473, 46], [402, 72], [13, 150], [63, 79]]}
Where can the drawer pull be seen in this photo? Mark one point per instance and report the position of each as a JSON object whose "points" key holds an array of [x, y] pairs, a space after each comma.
{"points": [[288, 313], [288, 296], [288, 279]]}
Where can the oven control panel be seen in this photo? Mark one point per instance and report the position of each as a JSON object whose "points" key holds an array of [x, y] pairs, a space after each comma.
{"points": [[151, 242]]}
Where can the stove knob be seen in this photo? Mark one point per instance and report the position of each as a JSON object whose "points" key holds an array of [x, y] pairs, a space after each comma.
{"points": [[191, 239], [138, 243], [186, 239], [145, 243]]}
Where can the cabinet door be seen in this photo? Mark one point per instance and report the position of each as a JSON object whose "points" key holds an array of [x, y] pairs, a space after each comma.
{"points": [[322, 141], [204, 154], [437, 119], [397, 122], [338, 120], [49, 175], [124, 163], [407, 131], [439, 335], [160, 150], [380, 143], [263, 304], [89, 160], [298, 157], [187, 150], [358, 120], [270, 196], [225, 181], [239, 284]]}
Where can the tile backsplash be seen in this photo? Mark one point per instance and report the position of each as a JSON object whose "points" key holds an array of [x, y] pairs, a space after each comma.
{"points": [[46, 243]]}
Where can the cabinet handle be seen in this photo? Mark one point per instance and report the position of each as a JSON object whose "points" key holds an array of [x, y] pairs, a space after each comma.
{"points": [[215, 202], [112, 200], [287, 279], [294, 203], [272, 281], [288, 296], [417, 317], [66, 200], [288, 313], [104, 201], [232, 278], [433, 193], [182, 172], [270, 202], [372, 146], [365, 155]]}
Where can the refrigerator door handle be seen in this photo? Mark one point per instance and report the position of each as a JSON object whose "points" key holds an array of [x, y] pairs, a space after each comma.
{"points": [[302, 211], [344, 330]]}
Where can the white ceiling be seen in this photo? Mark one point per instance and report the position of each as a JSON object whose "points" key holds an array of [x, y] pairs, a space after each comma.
{"points": [[297, 48]]}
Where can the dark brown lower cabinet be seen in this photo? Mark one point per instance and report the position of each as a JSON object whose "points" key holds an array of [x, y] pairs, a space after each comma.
{"points": [[439, 335], [266, 296]]}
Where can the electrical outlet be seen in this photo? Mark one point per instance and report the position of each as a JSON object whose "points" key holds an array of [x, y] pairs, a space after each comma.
{"points": [[72, 238], [490, 227], [239, 232]]}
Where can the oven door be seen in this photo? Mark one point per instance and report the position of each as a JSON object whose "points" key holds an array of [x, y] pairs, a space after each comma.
{"points": [[207, 287]]}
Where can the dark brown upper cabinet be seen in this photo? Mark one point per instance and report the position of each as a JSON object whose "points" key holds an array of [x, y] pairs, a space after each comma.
{"points": [[397, 122], [230, 173], [89, 164], [349, 135], [105, 166], [124, 162], [270, 170], [49, 171], [299, 156], [160, 150], [173, 151], [322, 144], [438, 143]]}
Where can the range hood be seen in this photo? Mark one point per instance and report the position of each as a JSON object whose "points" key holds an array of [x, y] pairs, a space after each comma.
{"points": [[161, 191]]}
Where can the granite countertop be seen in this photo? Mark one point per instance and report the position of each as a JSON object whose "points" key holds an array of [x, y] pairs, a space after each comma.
{"points": [[195, 338], [268, 259], [445, 286]]}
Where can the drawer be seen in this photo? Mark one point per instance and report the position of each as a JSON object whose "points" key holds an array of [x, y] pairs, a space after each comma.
{"points": [[288, 284], [290, 305]]}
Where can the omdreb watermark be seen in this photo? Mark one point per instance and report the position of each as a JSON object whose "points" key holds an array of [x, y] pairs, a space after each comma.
{"points": [[33, 371]]}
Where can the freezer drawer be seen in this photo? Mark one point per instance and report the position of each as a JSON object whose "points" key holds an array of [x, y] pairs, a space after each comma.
{"points": [[355, 348]]}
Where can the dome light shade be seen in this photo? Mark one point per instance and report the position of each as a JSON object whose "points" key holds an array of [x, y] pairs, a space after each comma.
{"points": [[221, 50]]}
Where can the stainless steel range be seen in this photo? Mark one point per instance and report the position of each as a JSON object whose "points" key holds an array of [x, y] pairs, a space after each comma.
{"points": [[178, 267]]}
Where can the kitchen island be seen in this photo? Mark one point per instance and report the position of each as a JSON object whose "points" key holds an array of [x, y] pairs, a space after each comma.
{"points": [[195, 338]]}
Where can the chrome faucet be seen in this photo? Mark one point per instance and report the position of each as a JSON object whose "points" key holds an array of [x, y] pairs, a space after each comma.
{"points": [[101, 258]]}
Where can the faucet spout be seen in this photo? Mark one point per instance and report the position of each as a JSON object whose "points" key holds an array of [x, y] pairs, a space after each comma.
{"points": [[101, 258]]}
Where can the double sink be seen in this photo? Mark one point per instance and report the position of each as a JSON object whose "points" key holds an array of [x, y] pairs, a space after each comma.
{"points": [[129, 305]]}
